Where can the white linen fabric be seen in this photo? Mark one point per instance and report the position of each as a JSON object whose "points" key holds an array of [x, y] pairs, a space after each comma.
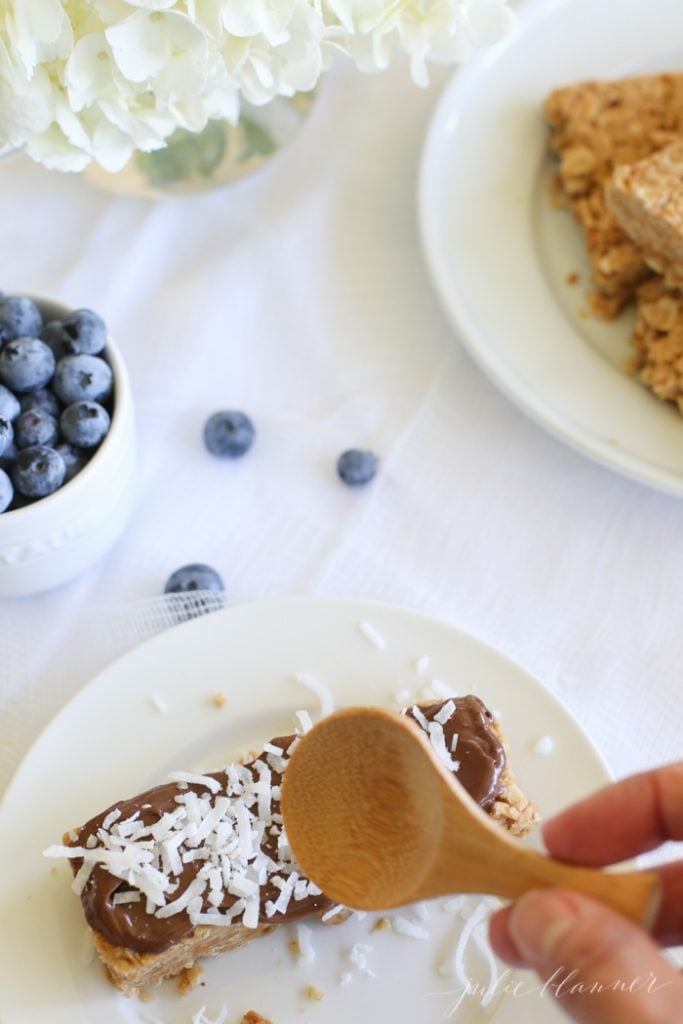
{"points": [[300, 296]]}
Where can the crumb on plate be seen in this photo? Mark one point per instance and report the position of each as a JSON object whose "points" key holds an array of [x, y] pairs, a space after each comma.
{"points": [[190, 978], [382, 924]]}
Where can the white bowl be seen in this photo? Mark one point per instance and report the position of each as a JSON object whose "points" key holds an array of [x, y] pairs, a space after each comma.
{"points": [[53, 540]]}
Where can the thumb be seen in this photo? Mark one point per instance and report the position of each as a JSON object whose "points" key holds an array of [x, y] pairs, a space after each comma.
{"points": [[600, 967]]}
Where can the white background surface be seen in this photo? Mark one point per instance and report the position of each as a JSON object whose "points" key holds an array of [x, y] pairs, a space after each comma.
{"points": [[300, 296]]}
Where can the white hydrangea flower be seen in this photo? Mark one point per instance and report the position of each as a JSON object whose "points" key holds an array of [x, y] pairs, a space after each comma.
{"points": [[84, 80]]}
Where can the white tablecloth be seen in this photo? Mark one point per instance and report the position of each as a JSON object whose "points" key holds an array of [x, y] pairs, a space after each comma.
{"points": [[300, 296]]}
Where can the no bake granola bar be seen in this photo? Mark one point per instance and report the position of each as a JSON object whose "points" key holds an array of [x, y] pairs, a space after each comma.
{"points": [[646, 198], [201, 865], [595, 128], [658, 340]]}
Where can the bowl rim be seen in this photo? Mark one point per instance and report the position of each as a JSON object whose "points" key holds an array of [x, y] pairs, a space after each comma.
{"points": [[121, 410]]}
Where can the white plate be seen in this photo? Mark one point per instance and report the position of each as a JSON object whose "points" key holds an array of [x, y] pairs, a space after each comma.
{"points": [[111, 741], [499, 255]]}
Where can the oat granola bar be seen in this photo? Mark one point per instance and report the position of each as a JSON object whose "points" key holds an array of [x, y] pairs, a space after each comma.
{"points": [[201, 865], [595, 128], [658, 340], [646, 198]]}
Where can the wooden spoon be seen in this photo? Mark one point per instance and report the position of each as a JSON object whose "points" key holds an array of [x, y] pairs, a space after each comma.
{"points": [[376, 821]]}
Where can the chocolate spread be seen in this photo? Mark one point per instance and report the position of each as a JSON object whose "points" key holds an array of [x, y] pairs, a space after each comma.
{"points": [[478, 751]]}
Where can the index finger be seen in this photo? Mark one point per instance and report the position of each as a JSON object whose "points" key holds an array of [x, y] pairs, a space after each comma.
{"points": [[623, 820]]}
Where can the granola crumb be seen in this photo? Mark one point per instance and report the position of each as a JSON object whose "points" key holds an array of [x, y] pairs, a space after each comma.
{"points": [[382, 924], [573, 278], [314, 993], [252, 1017], [295, 947], [189, 978], [145, 996], [54, 871], [219, 700]]}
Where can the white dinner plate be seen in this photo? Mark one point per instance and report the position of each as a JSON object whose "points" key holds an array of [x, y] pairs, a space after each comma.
{"points": [[500, 256], [152, 712]]}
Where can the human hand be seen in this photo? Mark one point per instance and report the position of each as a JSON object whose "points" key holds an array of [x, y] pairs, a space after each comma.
{"points": [[570, 940]]}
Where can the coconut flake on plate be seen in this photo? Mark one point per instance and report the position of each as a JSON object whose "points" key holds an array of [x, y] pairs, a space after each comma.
{"points": [[443, 690], [304, 943], [200, 1016], [455, 965], [410, 929], [321, 691], [358, 956], [544, 746], [158, 703], [371, 635], [422, 664]]}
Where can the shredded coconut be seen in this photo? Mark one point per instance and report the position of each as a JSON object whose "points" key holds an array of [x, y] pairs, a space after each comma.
{"points": [[358, 956], [410, 929], [200, 1016], [159, 703], [305, 722], [371, 634], [322, 692], [422, 664], [306, 950], [332, 912], [544, 746], [442, 690]]}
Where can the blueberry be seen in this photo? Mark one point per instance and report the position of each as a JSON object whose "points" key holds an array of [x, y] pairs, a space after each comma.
{"points": [[193, 577], [83, 332], [84, 424], [74, 461], [43, 400], [82, 379], [6, 436], [53, 336], [228, 433], [35, 427], [19, 318], [356, 467], [9, 404], [26, 364], [8, 456], [6, 491], [38, 471]]}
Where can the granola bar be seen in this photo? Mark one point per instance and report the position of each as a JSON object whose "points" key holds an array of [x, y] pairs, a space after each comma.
{"points": [[646, 198], [658, 340], [200, 865], [595, 128]]}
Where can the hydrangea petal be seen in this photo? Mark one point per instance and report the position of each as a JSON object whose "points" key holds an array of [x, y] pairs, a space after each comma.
{"points": [[145, 43]]}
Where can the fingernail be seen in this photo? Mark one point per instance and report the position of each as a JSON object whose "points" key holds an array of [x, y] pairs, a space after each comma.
{"points": [[538, 922]]}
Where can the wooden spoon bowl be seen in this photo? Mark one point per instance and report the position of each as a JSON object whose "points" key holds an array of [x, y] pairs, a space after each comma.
{"points": [[377, 821]]}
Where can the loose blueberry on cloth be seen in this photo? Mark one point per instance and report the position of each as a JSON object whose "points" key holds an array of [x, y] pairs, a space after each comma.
{"points": [[193, 577], [56, 398], [357, 468], [229, 434]]}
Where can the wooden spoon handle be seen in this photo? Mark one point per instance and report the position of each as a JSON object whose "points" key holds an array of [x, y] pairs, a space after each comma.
{"points": [[635, 894]]}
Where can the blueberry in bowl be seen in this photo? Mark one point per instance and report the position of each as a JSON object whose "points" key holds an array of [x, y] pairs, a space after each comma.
{"points": [[67, 446]]}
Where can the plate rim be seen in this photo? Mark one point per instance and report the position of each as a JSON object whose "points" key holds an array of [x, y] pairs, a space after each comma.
{"points": [[510, 383]]}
